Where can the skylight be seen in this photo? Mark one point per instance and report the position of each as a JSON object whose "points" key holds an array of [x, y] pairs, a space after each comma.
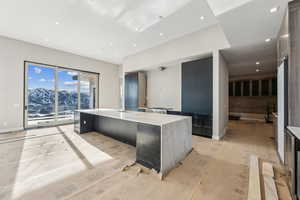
{"points": [[137, 15], [222, 6]]}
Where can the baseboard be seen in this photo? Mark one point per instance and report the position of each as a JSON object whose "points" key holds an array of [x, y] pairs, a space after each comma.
{"points": [[11, 130], [216, 137]]}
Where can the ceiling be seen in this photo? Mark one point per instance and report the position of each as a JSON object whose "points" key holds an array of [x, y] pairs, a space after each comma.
{"points": [[252, 22], [242, 59], [102, 29], [247, 26], [111, 30]]}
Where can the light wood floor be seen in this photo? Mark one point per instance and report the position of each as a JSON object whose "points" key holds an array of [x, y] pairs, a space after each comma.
{"points": [[56, 163]]}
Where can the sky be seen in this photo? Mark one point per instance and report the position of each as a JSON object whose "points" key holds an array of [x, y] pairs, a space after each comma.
{"points": [[43, 77]]}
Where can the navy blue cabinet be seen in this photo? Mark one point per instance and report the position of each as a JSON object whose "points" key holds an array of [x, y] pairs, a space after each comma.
{"points": [[197, 94]]}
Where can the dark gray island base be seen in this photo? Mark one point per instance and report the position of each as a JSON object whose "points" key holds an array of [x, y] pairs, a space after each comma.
{"points": [[161, 141]]}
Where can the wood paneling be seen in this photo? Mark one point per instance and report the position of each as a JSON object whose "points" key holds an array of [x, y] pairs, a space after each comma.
{"points": [[256, 105], [256, 76], [294, 66], [253, 93]]}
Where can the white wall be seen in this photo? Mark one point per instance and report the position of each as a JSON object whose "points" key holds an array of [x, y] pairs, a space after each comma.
{"points": [[164, 87], [164, 90], [220, 95], [224, 96], [13, 53], [195, 44], [200, 43]]}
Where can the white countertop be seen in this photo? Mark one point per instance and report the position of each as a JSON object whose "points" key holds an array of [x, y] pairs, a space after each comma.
{"points": [[140, 117], [295, 131]]}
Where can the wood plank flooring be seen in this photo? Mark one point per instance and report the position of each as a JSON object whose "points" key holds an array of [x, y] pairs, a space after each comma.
{"points": [[269, 184], [254, 191], [56, 163]]}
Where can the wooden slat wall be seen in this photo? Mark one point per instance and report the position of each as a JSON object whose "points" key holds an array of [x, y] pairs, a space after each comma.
{"points": [[294, 65]]}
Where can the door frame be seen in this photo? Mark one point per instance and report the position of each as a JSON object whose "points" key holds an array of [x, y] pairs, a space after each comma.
{"points": [[282, 106], [25, 107], [25, 90]]}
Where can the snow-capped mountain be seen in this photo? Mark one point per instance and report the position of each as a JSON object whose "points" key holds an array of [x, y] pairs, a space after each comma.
{"points": [[41, 102], [41, 96]]}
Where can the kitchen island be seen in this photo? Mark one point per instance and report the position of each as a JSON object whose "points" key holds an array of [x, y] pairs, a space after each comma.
{"points": [[161, 140]]}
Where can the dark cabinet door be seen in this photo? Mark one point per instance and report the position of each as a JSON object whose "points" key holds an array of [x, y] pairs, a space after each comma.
{"points": [[197, 86], [86, 122], [121, 130], [131, 91]]}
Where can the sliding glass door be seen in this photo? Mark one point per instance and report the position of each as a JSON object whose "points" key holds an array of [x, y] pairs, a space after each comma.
{"points": [[67, 91], [53, 93], [88, 90], [40, 95]]}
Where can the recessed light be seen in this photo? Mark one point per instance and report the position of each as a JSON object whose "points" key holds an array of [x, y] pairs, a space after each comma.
{"points": [[57, 23], [134, 45], [268, 40], [257, 70], [273, 10], [161, 34], [202, 17], [257, 63], [110, 44]]}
